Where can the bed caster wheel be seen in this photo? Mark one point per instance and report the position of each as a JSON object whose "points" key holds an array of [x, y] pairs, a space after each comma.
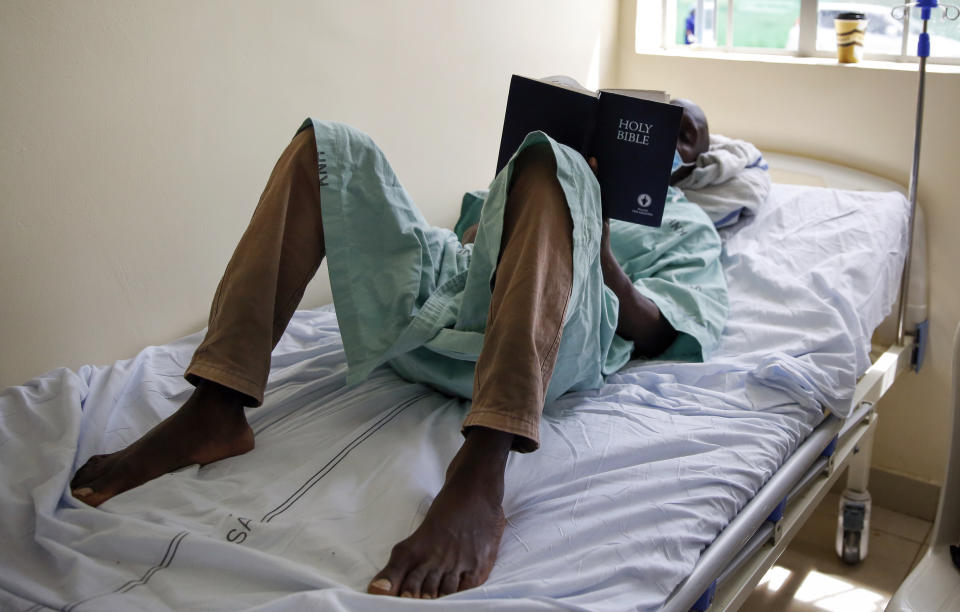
{"points": [[851, 554], [853, 527]]}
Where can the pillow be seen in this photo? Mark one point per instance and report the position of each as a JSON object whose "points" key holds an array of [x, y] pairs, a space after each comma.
{"points": [[731, 178]]}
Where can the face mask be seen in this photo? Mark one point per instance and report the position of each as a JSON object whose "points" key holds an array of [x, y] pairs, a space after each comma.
{"points": [[679, 163]]}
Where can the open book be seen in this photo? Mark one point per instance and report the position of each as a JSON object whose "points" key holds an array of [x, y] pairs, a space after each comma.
{"points": [[632, 133]]}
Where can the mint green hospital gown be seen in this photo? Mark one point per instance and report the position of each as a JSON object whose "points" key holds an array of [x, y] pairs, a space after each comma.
{"points": [[412, 296]]}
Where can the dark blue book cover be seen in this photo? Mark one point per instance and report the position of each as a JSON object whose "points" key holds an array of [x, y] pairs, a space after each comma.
{"points": [[562, 112], [634, 141], [632, 138]]}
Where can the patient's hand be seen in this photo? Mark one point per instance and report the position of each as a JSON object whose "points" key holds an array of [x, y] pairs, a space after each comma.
{"points": [[471, 234], [608, 262]]}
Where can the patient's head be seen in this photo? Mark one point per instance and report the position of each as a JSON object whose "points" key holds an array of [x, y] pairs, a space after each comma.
{"points": [[694, 136]]}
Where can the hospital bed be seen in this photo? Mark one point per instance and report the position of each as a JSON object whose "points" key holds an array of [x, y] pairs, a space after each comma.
{"points": [[673, 486]]}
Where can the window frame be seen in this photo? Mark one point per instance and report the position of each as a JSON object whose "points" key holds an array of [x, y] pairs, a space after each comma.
{"points": [[806, 40]]}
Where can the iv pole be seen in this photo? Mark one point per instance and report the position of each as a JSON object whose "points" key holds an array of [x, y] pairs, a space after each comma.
{"points": [[951, 13]]}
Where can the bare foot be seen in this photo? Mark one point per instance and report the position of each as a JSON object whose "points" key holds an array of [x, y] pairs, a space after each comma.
{"points": [[208, 427], [456, 546]]}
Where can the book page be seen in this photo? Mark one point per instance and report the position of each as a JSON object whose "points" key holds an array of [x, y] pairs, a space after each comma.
{"points": [[570, 83], [643, 94]]}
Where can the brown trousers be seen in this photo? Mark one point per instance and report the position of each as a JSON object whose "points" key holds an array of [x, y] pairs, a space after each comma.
{"points": [[283, 246]]}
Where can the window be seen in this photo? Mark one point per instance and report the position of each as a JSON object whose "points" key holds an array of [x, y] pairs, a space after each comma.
{"points": [[795, 27], [763, 24]]}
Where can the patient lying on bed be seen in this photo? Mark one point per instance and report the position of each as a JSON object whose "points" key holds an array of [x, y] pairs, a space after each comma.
{"points": [[545, 297]]}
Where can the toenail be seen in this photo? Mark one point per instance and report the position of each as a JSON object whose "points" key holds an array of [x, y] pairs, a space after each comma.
{"points": [[425, 596], [381, 584], [406, 594], [82, 492]]}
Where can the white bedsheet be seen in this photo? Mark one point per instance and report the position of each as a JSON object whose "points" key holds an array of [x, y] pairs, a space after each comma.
{"points": [[631, 483]]}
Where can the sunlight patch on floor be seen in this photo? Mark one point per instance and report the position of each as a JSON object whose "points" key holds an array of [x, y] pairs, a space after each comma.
{"points": [[820, 591]]}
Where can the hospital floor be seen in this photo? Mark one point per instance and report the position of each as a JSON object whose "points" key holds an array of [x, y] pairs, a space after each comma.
{"points": [[810, 577]]}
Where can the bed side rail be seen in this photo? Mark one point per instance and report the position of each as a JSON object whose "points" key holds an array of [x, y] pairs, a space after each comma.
{"points": [[750, 539], [738, 533], [884, 371]]}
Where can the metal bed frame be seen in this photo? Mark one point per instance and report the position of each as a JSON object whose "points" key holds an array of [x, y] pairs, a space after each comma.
{"points": [[730, 568]]}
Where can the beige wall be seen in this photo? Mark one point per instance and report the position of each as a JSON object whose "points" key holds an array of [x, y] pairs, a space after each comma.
{"points": [[135, 138], [864, 118]]}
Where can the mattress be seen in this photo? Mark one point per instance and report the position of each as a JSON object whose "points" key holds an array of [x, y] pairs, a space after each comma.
{"points": [[631, 483]]}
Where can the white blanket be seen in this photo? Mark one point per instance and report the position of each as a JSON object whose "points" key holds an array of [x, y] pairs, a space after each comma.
{"points": [[631, 483]]}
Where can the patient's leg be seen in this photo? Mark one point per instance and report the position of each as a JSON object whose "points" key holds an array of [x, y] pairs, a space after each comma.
{"points": [[263, 283], [456, 546]]}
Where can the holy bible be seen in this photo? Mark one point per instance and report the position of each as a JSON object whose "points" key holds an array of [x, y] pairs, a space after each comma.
{"points": [[631, 133]]}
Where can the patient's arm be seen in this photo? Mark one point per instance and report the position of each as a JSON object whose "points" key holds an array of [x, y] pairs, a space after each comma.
{"points": [[639, 319]]}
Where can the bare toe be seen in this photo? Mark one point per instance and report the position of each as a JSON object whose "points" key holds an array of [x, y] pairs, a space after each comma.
{"points": [[413, 581], [431, 583], [470, 580], [381, 586], [88, 472], [388, 581], [450, 584], [91, 496]]}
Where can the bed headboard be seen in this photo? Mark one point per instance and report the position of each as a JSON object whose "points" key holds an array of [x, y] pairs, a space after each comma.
{"points": [[795, 170]]}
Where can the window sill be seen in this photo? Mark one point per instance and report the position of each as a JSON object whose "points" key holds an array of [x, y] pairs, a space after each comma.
{"points": [[771, 58]]}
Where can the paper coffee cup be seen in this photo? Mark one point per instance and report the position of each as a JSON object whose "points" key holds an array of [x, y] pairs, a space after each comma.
{"points": [[851, 28]]}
